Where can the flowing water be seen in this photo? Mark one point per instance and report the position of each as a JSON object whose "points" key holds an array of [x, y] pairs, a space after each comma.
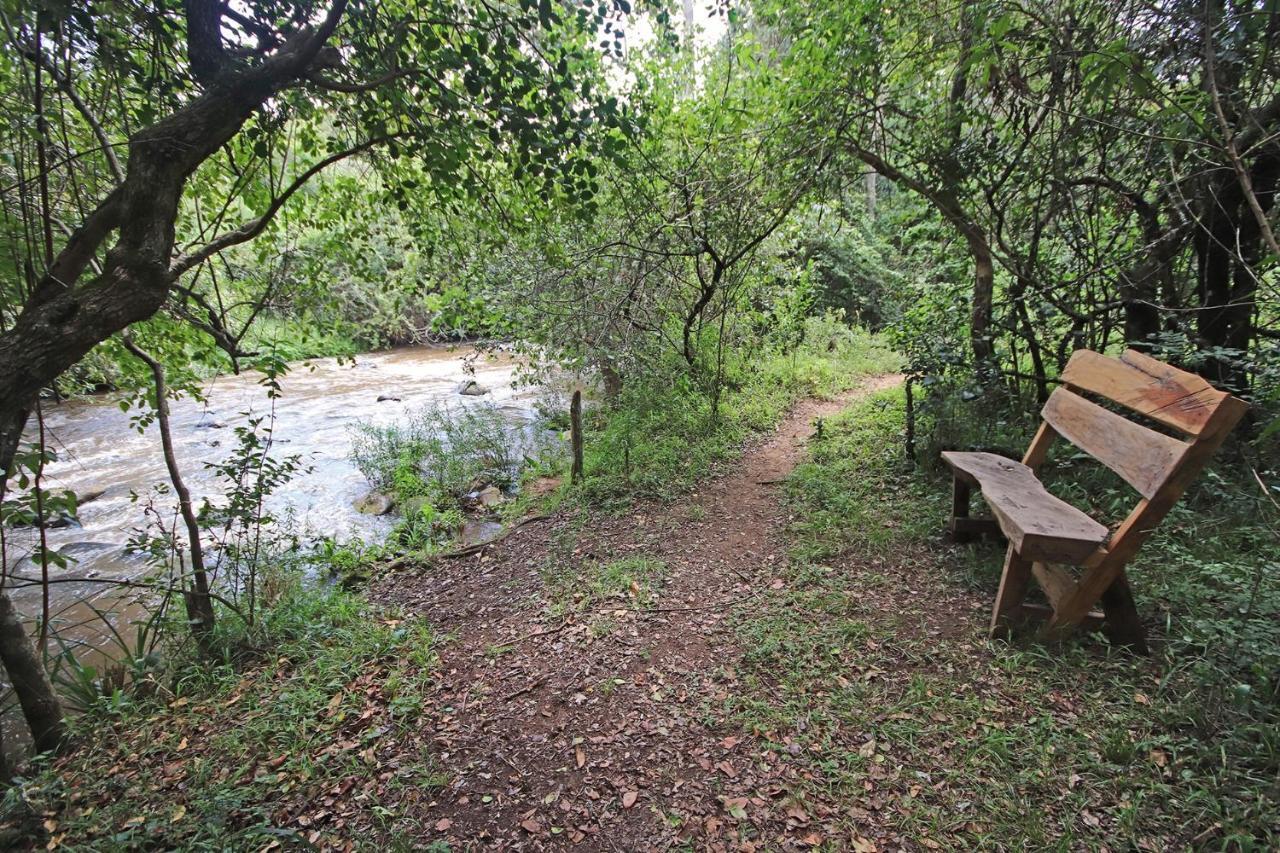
{"points": [[104, 460]]}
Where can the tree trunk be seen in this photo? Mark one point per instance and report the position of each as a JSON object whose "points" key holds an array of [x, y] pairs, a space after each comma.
{"points": [[199, 603], [1224, 284], [31, 684], [575, 436], [982, 311]]}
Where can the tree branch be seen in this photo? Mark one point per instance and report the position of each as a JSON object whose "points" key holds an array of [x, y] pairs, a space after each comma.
{"points": [[254, 227], [65, 86]]}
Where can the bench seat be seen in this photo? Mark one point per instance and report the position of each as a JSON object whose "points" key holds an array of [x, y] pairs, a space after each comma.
{"points": [[1038, 525]]}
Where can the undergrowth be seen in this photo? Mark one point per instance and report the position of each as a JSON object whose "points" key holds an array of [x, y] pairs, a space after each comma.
{"points": [[311, 735], [662, 437], [872, 664]]}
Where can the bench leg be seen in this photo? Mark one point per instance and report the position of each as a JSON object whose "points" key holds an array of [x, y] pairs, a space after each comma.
{"points": [[1013, 589], [960, 495], [1123, 626], [1105, 583], [963, 528]]}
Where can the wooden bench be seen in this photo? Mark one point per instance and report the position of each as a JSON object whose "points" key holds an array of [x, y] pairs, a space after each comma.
{"points": [[1049, 537]]}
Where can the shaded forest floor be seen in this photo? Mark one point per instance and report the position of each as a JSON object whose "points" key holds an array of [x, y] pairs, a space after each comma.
{"points": [[786, 658]]}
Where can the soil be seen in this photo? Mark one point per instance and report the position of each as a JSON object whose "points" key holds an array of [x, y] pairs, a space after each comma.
{"points": [[599, 723]]}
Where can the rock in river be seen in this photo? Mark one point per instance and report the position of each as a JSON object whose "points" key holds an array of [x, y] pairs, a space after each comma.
{"points": [[374, 503], [472, 388]]}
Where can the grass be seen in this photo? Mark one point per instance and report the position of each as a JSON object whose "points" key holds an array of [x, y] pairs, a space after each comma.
{"points": [[661, 437], [227, 758], [578, 586], [872, 664]]}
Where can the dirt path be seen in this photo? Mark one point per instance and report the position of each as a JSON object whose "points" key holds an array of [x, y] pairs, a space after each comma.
{"points": [[581, 698]]}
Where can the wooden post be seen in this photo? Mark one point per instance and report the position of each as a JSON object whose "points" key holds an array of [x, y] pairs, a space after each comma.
{"points": [[575, 436]]}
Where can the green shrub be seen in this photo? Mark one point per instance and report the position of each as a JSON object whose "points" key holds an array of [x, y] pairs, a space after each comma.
{"points": [[440, 453]]}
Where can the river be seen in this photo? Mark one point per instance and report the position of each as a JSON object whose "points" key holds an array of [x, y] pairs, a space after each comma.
{"points": [[104, 460]]}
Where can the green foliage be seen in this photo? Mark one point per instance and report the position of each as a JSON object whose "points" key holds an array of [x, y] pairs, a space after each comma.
{"points": [[658, 439], [423, 527], [440, 453], [242, 734], [854, 268], [249, 538]]}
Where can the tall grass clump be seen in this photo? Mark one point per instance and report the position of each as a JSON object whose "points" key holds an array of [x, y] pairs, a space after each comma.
{"points": [[440, 453]]}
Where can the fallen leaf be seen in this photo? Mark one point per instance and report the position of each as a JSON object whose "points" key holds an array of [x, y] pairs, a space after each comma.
{"points": [[629, 799], [862, 845], [736, 807], [531, 826], [443, 824], [580, 756], [178, 814], [868, 749]]}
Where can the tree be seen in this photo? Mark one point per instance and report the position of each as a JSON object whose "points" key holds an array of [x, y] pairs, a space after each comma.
{"points": [[667, 262], [1109, 174]]}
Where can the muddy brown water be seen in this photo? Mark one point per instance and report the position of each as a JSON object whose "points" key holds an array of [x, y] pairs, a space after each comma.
{"points": [[105, 460]]}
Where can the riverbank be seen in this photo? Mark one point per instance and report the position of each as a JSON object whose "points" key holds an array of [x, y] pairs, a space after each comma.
{"points": [[117, 472]]}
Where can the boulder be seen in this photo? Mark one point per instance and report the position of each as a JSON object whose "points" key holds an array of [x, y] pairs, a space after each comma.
{"points": [[63, 521], [388, 398], [542, 486], [471, 388], [490, 497], [88, 495], [374, 503]]}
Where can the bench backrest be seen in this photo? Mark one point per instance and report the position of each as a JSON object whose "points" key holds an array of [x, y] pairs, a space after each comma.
{"points": [[1148, 460]]}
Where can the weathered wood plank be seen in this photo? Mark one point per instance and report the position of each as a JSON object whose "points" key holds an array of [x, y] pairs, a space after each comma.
{"points": [[1149, 387], [1146, 516], [1038, 525], [1143, 457], [1057, 582]]}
